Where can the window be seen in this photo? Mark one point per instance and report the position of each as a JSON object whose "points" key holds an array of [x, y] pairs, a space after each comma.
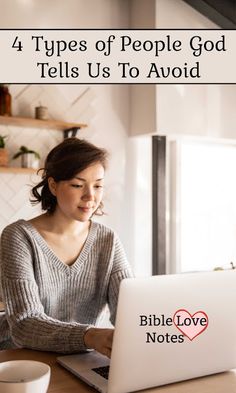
{"points": [[202, 206]]}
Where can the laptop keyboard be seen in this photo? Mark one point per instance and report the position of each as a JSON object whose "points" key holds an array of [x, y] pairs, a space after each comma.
{"points": [[103, 371]]}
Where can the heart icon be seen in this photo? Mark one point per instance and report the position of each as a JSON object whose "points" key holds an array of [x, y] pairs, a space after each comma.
{"points": [[190, 325]]}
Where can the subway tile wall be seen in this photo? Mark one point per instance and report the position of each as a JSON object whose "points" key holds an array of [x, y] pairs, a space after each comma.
{"points": [[69, 103]]}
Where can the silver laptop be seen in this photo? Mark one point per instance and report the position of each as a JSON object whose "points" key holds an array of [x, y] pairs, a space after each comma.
{"points": [[168, 328]]}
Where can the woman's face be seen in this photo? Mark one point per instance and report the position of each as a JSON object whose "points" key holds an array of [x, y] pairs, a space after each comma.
{"points": [[79, 197]]}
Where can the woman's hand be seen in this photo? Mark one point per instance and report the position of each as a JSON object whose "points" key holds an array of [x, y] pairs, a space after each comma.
{"points": [[100, 340]]}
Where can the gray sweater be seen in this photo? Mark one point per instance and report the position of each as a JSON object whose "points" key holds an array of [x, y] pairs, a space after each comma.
{"points": [[50, 305]]}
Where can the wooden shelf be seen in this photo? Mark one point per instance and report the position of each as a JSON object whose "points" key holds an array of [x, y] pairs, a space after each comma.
{"points": [[18, 170], [36, 123]]}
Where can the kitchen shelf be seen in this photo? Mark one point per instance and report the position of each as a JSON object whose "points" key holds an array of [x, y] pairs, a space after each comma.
{"points": [[69, 129], [37, 123], [10, 169]]}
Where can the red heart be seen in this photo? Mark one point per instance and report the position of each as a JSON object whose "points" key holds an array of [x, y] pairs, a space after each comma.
{"points": [[190, 325]]}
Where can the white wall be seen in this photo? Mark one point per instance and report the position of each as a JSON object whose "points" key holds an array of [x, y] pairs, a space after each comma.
{"points": [[203, 110], [143, 97], [177, 14], [142, 125], [63, 14]]}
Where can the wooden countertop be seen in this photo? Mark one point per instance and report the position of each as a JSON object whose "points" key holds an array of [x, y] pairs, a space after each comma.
{"points": [[62, 381]]}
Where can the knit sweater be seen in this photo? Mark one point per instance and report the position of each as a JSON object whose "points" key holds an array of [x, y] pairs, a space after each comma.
{"points": [[50, 305]]}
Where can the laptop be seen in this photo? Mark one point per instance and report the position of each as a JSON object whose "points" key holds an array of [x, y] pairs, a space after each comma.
{"points": [[168, 328]]}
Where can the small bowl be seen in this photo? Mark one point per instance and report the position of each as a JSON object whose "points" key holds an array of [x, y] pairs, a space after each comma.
{"points": [[24, 376]]}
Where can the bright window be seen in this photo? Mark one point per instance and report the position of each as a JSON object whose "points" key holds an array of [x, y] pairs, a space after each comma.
{"points": [[206, 208]]}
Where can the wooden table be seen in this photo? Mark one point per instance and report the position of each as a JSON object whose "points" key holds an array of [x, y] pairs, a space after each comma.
{"points": [[62, 381]]}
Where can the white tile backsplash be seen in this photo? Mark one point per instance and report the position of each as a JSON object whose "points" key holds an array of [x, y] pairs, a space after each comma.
{"points": [[69, 103]]}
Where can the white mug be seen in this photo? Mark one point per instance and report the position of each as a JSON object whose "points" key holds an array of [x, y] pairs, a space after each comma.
{"points": [[24, 376]]}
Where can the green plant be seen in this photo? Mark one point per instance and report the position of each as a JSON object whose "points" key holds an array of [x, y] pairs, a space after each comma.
{"points": [[2, 141], [24, 150]]}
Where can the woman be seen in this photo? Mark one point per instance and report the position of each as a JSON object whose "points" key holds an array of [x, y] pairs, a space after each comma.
{"points": [[60, 269]]}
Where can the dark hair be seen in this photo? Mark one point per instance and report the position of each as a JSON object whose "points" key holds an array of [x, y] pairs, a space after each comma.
{"points": [[63, 162]]}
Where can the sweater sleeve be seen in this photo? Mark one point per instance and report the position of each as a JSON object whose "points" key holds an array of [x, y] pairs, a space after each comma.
{"points": [[120, 270], [29, 326]]}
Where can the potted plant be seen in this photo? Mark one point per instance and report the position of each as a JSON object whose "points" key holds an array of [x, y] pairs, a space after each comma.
{"points": [[3, 151], [29, 158]]}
